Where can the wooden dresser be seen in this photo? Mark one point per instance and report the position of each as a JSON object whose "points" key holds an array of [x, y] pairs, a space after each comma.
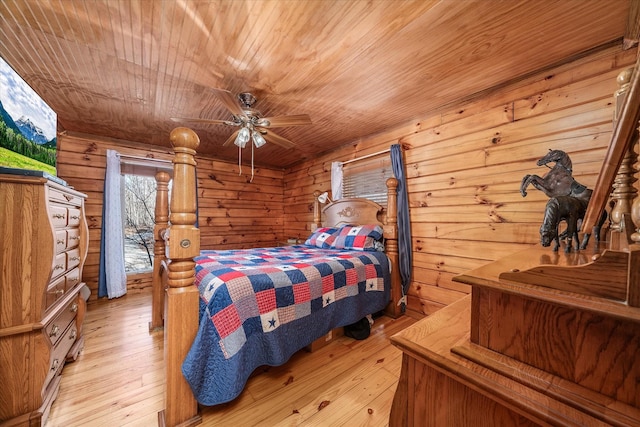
{"points": [[544, 339], [42, 250]]}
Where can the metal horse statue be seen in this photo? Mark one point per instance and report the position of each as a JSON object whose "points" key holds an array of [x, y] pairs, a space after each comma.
{"points": [[562, 208], [558, 181]]}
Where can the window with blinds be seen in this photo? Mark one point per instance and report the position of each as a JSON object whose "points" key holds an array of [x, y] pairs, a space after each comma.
{"points": [[367, 178]]}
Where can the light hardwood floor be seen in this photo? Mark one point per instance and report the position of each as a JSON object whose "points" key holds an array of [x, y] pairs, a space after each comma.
{"points": [[118, 379]]}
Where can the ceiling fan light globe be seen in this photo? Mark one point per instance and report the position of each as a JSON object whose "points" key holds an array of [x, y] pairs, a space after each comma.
{"points": [[242, 138], [258, 139]]}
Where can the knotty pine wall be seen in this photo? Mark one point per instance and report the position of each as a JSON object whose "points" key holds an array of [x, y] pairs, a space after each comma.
{"points": [[233, 212], [465, 164]]}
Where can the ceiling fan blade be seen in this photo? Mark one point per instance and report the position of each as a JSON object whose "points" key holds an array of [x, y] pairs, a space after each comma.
{"points": [[204, 121], [277, 139], [286, 121], [231, 138], [229, 101]]}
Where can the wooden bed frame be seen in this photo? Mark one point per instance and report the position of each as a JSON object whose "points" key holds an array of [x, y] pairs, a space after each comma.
{"points": [[177, 242]]}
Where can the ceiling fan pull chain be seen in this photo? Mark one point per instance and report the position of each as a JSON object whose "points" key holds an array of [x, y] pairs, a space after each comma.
{"points": [[251, 163], [239, 161]]}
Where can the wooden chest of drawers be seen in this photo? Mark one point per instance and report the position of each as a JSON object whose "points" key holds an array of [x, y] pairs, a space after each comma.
{"points": [[43, 246]]}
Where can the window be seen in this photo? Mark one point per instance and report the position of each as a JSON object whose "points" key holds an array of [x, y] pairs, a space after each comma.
{"points": [[138, 207], [367, 178]]}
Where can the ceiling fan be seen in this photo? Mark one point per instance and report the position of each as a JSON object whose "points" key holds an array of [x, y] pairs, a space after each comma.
{"points": [[251, 123]]}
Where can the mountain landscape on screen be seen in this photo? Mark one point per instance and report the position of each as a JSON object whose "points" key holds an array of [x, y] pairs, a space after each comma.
{"points": [[27, 125]]}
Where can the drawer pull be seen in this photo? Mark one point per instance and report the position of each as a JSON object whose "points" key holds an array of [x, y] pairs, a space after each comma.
{"points": [[54, 331], [74, 217], [60, 242], [75, 258], [74, 237], [59, 291], [58, 216], [55, 364], [58, 267], [68, 197], [73, 279], [73, 334], [74, 307]]}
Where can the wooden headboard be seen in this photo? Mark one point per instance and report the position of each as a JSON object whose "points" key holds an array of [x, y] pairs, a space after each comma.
{"points": [[359, 211], [352, 211]]}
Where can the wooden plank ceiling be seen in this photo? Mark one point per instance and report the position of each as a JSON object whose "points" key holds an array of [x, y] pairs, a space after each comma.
{"points": [[123, 68]]}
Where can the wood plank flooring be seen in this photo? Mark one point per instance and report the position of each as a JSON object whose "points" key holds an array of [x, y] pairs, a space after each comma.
{"points": [[118, 379]]}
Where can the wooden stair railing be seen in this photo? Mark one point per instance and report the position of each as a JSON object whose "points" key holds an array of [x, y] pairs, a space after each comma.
{"points": [[617, 177], [618, 172]]}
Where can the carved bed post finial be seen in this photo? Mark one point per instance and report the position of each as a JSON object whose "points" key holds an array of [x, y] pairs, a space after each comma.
{"points": [[161, 224], [392, 200], [183, 244]]}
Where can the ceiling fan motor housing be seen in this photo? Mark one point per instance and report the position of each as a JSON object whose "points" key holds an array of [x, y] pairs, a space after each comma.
{"points": [[246, 100]]}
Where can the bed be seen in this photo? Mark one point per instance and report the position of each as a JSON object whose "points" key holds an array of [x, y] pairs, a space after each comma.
{"points": [[209, 341]]}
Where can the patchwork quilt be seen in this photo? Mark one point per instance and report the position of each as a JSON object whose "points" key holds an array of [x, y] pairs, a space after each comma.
{"points": [[259, 306]]}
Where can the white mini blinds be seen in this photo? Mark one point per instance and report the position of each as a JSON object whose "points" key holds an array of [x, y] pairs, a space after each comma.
{"points": [[367, 178]]}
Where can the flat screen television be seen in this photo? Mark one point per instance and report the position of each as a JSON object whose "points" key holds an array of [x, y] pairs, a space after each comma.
{"points": [[27, 126]]}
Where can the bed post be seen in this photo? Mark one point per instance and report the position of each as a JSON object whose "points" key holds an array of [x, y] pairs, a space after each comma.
{"points": [[181, 316], [161, 224], [391, 247], [317, 220]]}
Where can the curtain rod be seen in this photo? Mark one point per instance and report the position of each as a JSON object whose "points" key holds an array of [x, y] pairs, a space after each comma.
{"points": [[367, 156], [152, 159]]}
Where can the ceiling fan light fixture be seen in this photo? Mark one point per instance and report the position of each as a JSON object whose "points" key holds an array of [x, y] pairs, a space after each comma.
{"points": [[258, 139], [242, 138]]}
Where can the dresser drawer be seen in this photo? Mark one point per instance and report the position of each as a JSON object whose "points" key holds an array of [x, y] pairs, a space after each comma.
{"points": [[57, 327], [73, 258], [73, 238], [61, 240], [73, 217], [58, 216], [54, 291], [59, 196], [59, 353], [59, 265], [72, 278]]}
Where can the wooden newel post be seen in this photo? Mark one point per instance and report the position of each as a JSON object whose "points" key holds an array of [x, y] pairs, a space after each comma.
{"points": [[181, 317], [161, 224], [391, 245]]}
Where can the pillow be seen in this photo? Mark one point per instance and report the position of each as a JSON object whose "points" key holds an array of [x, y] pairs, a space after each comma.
{"points": [[358, 237], [323, 237]]}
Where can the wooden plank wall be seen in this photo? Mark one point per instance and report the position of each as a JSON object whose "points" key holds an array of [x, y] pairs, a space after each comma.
{"points": [[465, 165], [233, 212]]}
